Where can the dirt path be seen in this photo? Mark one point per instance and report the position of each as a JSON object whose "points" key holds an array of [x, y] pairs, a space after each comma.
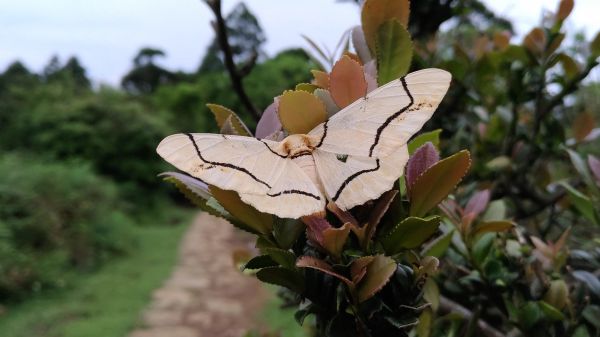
{"points": [[205, 294]]}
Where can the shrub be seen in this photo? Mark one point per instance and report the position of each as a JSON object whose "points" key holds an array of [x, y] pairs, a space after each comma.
{"points": [[54, 216]]}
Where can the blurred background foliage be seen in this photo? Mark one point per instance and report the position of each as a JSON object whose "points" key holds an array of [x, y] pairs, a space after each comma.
{"points": [[78, 166]]}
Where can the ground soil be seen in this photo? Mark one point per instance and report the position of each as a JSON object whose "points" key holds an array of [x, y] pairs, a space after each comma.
{"points": [[206, 295]]}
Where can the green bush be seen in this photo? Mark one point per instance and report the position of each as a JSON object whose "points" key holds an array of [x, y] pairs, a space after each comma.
{"points": [[54, 216]]}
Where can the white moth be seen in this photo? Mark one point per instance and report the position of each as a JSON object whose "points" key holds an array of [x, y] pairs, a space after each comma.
{"points": [[353, 157]]}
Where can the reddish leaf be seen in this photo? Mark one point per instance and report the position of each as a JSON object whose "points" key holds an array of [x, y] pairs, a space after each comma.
{"points": [[478, 202], [564, 9], [315, 228], [334, 239], [582, 126], [358, 269], [594, 165], [377, 213], [493, 227], [321, 78], [314, 263], [423, 158], [535, 41], [502, 40], [269, 121], [376, 12], [347, 82]]}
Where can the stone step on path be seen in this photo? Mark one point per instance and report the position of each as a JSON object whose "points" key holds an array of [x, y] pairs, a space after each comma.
{"points": [[205, 296]]}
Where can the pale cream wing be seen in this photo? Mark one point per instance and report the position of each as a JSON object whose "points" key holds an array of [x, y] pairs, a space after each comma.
{"points": [[292, 195], [377, 125], [264, 178], [353, 180]]}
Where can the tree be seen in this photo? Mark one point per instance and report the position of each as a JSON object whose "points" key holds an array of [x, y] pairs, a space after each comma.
{"points": [[146, 76], [245, 38]]}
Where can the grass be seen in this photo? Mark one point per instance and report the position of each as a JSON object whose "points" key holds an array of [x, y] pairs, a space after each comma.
{"points": [[281, 320], [107, 302]]}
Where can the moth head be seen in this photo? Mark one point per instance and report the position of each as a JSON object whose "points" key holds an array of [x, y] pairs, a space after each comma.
{"points": [[297, 144]]}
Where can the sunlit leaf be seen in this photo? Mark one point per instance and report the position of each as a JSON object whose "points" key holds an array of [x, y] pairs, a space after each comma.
{"points": [[394, 51], [376, 12], [230, 200], [300, 111], [308, 87], [321, 79], [418, 141], [437, 182], [378, 274], [347, 82], [535, 41], [411, 233], [228, 119]]}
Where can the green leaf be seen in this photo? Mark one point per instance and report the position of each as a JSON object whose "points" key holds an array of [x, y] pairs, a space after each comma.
{"points": [[438, 247], [394, 51], [581, 167], [376, 12], [287, 231], [437, 182], [418, 141], [230, 200], [228, 121], [482, 247], [410, 234], [284, 258], [492, 227], [308, 87], [529, 314], [495, 211], [551, 312], [282, 277], [581, 202], [259, 262], [378, 274], [431, 293], [425, 323]]}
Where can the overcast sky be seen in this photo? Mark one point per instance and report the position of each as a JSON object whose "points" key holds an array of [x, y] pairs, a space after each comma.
{"points": [[106, 34]]}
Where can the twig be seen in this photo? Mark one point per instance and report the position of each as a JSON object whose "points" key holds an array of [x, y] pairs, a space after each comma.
{"points": [[447, 305], [234, 73]]}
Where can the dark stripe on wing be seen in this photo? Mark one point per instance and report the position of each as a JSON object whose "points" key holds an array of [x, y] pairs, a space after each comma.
{"points": [[295, 192], [392, 117], [352, 177], [272, 151], [324, 134], [241, 169]]}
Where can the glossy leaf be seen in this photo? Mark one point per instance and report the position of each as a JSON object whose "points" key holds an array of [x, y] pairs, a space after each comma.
{"points": [[230, 200], [283, 257], [437, 182], [378, 274], [423, 158], [376, 12], [431, 136], [394, 51], [287, 231], [347, 82], [411, 233], [259, 262], [300, 111], [227, 119], [282, 277]]}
